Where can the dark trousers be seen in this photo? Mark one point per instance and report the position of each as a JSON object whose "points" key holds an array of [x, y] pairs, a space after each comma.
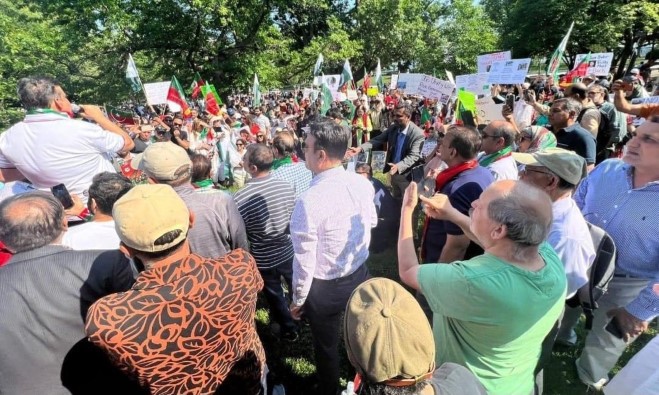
{"points": [[323, 308], [274, 293]]}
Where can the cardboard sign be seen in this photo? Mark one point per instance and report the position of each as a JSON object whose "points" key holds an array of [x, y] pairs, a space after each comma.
{"points": [[474, 83], [352, 94], [425, 85], [488, 111], [599, 63], [485, 61], [156, 92], [509, 71]]}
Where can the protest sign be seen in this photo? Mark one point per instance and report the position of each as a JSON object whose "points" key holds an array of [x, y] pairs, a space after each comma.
{"points": [[467, 101], [394, 81], [484, 61], [351, 94], [378, 160], [372, 91], [332, 81], [156, 92], [474, 83], [425, 85], [599, 63], [509, 71], [652, 99], [488, 111]]}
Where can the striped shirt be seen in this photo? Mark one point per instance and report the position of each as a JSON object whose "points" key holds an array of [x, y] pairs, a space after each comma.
{"points": [[295, 173], [266, 205], [608, 199]]}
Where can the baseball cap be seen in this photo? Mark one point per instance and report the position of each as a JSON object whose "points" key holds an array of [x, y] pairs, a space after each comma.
{"points": [[566, 164], [387, 335], [165, 161], [147, 212]]}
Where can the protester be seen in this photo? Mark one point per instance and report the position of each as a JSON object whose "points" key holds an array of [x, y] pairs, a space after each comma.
{"points": [[569, 134], [266, 204], [391, 345], [589, 117], [620, 197], [46, 290], [613, 125], [643, 110], [361, 125], [331, 231], [497, 145], [218, 226], [202, 174], [297, 174], [143, 138], [404, 140], [49, 148], [240, 175], [519, 284], [100, 233], [214, 344], [535, 138]]}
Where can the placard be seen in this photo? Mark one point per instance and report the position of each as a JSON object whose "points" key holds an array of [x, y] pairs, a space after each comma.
{"points": [[378, 160], [372, 91], [485, 61], [599, 63], [509, 71], [488, 111], [393, 84], [332, 81], [425, 85], [639, 100], [351, 94], [156, 92], [474, 83]]}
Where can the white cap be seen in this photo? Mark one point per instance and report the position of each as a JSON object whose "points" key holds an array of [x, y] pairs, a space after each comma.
{"points": [[635, 71]]}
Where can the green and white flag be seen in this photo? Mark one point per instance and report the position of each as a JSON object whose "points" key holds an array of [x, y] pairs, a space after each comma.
{"points": [[346, 74], [256, 92], [132, 76], [378, 77], [326, 99], [555, 61], [318, 66]]}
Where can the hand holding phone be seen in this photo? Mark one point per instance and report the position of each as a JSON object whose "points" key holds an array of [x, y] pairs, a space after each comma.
{"points": [[62, 194]]}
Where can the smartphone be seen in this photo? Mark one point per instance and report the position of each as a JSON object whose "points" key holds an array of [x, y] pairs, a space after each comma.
{"points": [[63, 195], [613, 328], [510, 101]]}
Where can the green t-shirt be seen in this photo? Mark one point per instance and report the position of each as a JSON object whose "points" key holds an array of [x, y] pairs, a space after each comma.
{"points": [[492, 317]]}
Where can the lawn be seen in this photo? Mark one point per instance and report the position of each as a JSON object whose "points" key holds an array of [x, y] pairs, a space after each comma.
{"points": [[293, 363]]}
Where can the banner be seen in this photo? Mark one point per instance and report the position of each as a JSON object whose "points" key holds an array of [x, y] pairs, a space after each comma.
{"points": [[474, 83], [651, 99], [509, 71], [156, 92], [598, 64], [484, 61], [393, 84], [332, 81], [425, 85]]}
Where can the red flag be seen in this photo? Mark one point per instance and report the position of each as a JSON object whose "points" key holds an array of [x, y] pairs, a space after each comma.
{"points": [[196, 85], [176, 97], [211, 102], [580, 71], [367, 81]]}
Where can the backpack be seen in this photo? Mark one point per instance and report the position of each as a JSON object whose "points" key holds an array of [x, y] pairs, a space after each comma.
{"points": [[600, 274], [603, 127]]}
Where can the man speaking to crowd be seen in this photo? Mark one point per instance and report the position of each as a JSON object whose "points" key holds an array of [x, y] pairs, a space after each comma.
{"points": [[49, 148]]}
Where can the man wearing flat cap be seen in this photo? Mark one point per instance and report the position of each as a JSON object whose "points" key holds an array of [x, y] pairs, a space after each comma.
{"points": [[187, 324], [390, 344]]}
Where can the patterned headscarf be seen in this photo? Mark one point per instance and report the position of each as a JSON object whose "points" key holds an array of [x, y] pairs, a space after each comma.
{"points": [[541, 138]]}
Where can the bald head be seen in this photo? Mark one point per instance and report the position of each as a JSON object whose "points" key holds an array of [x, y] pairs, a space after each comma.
{"points": [[502, 129], [284, 144], [30, 221], [523, 208]]}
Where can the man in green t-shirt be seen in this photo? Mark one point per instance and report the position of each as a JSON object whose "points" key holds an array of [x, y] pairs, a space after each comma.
{"points": [[492, 312]]}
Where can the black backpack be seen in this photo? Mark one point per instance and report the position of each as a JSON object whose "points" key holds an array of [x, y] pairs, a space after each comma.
{"points": [[599, 274]]}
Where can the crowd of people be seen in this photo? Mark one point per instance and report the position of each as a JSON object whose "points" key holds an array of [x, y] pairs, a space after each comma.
{"points": [[132, 256]]}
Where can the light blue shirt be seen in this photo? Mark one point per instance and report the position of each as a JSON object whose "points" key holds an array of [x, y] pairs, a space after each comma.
{"points": [[607, 198]]}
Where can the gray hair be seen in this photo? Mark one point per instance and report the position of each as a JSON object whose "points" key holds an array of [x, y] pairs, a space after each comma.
{"points": [[37, 92], [30, 221], [526, 212], [569, 104]]}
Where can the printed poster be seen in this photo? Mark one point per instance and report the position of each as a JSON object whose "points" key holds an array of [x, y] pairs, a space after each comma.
{"points": [[425, 85], [474, 83], [485, 61], [599, 63], [156, 92], [509, 71]]}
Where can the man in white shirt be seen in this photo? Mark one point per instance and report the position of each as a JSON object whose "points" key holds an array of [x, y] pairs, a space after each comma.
{"points": [[49, 148], [497, 146], [100, 233], [331, 232]]}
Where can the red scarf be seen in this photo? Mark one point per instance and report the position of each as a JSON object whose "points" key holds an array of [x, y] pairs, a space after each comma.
{"points": [[442, 179]]}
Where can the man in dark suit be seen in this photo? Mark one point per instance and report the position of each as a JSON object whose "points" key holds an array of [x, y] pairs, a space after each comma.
{"points": [[404, 140], [46, 290]]}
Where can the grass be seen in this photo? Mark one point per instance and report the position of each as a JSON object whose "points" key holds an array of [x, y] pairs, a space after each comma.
{"points": [[293, 363]]}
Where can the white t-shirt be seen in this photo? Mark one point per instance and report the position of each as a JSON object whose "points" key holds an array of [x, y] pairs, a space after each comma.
{"points": [[504, 169], [50, 148], [92, 236]]}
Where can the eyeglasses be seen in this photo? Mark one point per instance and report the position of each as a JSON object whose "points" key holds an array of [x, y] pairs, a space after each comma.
{"points": [[485, 135], [178, 124]]}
